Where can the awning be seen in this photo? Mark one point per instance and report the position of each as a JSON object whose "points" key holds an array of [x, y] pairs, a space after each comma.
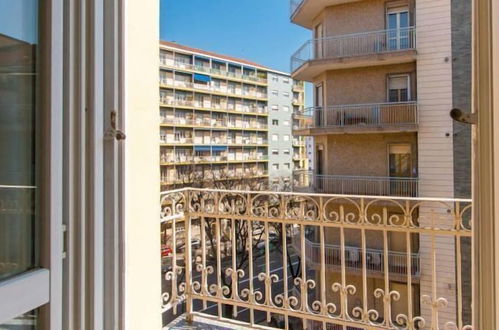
{"points": [[202, 148], [204, 58], [202, 77], [218, 62], [219, 148]]}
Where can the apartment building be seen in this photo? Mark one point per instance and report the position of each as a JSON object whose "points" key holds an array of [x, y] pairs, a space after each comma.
{"points": [[286, 152], [222, 118], [384, 82]]}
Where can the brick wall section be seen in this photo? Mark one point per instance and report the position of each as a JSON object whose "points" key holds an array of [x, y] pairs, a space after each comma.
{"points": [[364, 85]]}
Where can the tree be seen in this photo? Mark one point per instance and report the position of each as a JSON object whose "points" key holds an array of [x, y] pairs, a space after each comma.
{"points": [[235, 231]]}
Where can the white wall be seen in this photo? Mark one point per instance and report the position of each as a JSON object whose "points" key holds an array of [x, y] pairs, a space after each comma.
{"points": [[142, 270]]}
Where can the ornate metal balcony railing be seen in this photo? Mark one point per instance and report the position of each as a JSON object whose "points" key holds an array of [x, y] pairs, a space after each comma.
{"points": [[356, 185], [233, 259], [374, 258], [366, 43], [359, 115]]}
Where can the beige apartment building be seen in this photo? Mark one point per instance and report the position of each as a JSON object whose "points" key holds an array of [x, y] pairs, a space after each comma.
{"points": [[225, 118], [383, 87]]}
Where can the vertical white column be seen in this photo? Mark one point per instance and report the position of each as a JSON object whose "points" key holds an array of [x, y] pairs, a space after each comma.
{"points": [[142, 179], [435, 151]]}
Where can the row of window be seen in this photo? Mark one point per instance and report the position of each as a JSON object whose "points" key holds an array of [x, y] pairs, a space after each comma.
{"points": [[275, 122], [285, 137], [275, 92], [285, 152], [286, 166], [284, 80], [275, 107]]}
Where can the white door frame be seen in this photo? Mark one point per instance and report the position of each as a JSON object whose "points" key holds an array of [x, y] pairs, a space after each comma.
{"points": [[44, 284]]}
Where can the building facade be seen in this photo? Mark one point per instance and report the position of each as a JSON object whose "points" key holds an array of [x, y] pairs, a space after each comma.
{"points": [[223, 118], [383, 87]]}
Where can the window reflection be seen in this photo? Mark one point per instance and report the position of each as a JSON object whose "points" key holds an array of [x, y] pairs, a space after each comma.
{"points": [[23, 322], [18, 72]]}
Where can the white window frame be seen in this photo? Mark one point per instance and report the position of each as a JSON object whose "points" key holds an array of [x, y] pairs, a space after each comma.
{"points": [[44, 284], [409, 91]]}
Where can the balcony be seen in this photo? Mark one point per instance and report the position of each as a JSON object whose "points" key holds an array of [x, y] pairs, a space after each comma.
{"points": [[303, 12], [209, 89], [353, 50], [211, 106], [179, 64], [298, 143], [298, 87], [355, 185], [358, 118], [244, 259]]}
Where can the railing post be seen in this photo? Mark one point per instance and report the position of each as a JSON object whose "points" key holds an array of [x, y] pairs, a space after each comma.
{"points": [[188, 259]]}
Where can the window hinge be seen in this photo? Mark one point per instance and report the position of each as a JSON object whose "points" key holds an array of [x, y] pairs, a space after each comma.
{"points": [[463, 117], [113, 132]]}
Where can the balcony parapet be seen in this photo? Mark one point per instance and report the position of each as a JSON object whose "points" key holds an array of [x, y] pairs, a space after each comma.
{"points": [[383, 117], [353, 50], [355, 185], [222, 227], [191, 104], [248, 79]]}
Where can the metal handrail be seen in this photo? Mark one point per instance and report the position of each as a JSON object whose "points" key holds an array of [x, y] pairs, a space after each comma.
{"points": [[375, 257], [208, 272], [357, 185], [179, 63], [369, 114], [355, 44]]}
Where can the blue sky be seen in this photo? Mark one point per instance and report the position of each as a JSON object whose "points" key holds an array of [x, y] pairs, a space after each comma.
{"points": [[256, 30], [19, 19]]}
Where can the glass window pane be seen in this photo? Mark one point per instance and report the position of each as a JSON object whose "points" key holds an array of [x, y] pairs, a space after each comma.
{"points": [[18, 69], [392, 21], [404, 19]]}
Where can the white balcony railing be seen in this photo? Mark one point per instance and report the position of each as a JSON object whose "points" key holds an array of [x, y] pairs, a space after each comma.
{"points": [[360, 115], [366, 43], [375, 258], [233, 259], [356, 185]]}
